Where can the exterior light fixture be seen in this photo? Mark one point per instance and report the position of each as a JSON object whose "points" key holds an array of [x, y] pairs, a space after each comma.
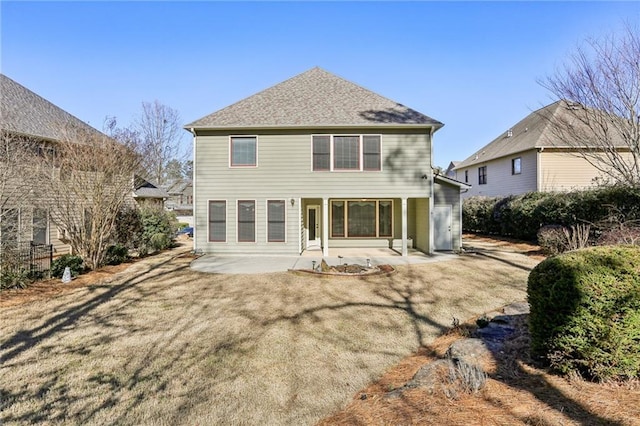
{"points": [[293, 201]]}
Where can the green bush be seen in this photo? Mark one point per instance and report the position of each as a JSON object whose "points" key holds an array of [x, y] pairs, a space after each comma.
{"points": [[585, 312], [14, 279], [116, 254], [159, 229], [75, 264], [523, 215], [129, 228]]}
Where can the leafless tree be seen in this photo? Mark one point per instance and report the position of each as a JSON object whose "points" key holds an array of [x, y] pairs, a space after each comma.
{"points": [[600, 91], [17, 178], [160, 131], [85, 183]]}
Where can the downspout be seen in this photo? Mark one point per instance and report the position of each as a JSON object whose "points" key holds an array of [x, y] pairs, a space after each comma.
{"points": [[539, 169]]}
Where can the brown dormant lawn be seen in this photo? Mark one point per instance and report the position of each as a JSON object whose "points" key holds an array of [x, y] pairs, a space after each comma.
{"points": [[161, 344]]}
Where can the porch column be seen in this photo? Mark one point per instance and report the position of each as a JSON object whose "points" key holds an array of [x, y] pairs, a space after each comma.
{"points": [[404, 228], [325, 227]]}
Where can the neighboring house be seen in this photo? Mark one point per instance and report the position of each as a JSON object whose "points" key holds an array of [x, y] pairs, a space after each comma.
{"points": [[527, 158], [180, 194], [146, 193], [26, 117], [317, 162], [181, 200], [450, 172]]}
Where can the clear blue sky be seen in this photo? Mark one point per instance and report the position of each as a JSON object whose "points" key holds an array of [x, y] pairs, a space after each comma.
{"points": [[471, 65]]}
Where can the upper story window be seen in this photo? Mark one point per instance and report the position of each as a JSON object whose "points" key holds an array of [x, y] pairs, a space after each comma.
{"points": [[466, 176], [346, 153], [516, 166], [482, 175], [243, 151]]}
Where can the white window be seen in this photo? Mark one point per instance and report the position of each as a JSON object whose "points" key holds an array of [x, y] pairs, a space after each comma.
{"points": [[516, 166], [40, 226], [243, 151], [346, 153]]}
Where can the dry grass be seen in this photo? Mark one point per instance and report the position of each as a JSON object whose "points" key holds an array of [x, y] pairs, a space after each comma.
{"points": [[161, 344]]}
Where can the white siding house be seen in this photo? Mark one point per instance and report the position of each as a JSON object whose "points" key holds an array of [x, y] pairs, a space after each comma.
{"points": [[526, 158]]}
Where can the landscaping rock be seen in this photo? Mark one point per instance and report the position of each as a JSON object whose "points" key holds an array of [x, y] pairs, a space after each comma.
{"points": [[518, 308], [469, 350]]}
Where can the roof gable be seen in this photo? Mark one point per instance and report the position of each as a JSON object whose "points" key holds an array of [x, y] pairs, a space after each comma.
{"points": [[26, 113], [315, 98]]}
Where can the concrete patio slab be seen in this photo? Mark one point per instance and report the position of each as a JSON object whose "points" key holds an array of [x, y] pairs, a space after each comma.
{"points": [[264, 264]]}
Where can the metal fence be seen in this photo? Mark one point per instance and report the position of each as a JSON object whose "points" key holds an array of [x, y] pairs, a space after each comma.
{"points": [[34, 259]]}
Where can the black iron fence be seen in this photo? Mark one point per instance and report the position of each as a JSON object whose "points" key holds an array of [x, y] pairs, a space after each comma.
{"points": [[26, 257]]}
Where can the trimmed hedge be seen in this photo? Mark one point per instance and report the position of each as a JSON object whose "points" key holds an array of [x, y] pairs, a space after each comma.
{"points": [[521, 216], [585, 312]]}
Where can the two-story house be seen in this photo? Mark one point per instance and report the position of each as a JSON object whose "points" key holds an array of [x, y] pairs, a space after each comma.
{"points": [[317, 162], [528, 157], [28, 119]]}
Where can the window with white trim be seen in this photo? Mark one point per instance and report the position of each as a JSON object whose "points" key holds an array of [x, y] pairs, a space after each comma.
{"points": [[217, 221], [40, 226], [243, 151], [516, 166], [346, 153], [276, 221], [247, 221], [482, 175]]}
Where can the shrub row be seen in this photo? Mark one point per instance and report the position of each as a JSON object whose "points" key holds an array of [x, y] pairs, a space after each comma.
{"points": [[521, 216]]}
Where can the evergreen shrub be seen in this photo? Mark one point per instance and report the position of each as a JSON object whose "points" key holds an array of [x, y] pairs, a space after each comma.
{"points": [[585, 312]]}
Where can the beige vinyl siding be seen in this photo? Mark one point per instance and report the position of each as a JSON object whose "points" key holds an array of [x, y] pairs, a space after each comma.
{"points": [[564, 171], [500, 181], [284, 171], [421, 233], [449, 195]]}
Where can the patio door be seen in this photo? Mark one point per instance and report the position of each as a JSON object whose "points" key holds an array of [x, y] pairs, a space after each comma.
{"points": [[313, 227], [442, 221]]}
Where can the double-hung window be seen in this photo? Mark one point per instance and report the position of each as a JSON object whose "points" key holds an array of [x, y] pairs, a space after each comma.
{"points": [[243, 151], [218, 221], [516, 166], [346, 153], [39, 226], [246, 221], [482, 175], [276, 221]]}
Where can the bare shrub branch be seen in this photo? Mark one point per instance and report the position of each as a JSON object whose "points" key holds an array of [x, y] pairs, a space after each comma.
{"points": [[600, 115]]}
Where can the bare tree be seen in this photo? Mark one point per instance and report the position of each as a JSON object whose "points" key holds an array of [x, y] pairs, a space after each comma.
{"points": [[160, 131], [599, 88], [86, 182]]}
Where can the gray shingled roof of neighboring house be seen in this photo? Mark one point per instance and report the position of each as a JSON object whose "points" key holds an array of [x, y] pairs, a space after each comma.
{"points": [[315, 98], [179, 186], [532, 132], [146, 189], [525, 135], [26, 113]]}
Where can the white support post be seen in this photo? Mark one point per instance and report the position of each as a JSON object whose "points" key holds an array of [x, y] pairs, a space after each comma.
{"points": [[325, 227], [404, 228]]}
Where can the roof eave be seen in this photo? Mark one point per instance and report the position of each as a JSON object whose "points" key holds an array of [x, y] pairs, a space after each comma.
{"points": [[435, 126]]}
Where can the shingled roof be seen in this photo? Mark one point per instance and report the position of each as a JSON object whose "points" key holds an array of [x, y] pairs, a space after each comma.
{"points": [[26, 113], [315, 98], [536, 131]]}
